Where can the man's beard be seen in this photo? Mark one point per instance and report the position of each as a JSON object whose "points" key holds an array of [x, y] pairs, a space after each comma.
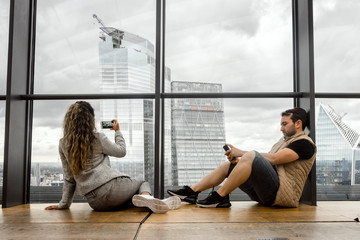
{"points": [[290, 133]]}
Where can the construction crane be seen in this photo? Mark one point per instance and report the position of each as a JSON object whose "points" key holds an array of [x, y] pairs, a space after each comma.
{"points": [[99, 20], [115, 34]]}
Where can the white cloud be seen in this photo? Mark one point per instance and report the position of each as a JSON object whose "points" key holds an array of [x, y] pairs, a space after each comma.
{"points": [[337, 52], [231, 42]]}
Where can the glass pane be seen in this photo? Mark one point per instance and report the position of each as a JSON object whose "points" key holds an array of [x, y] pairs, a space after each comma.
{"points": [[4, 39], [136, 122], [95, 47], [200, 128], [336, 45], [2, 137], [338, 158], [244, 45]]}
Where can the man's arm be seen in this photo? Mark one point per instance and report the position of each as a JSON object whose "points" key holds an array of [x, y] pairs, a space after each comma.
{"points": [[298, 149], [283, 156]]}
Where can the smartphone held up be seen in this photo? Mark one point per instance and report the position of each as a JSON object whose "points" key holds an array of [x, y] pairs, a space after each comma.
{"points": [[106, 124]]}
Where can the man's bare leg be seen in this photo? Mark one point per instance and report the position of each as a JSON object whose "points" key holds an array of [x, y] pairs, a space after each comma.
{"points": [[239, 174], [212, 179]]}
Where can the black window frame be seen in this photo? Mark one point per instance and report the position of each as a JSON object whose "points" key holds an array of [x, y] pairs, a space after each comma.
{"points": [[20, 95]]}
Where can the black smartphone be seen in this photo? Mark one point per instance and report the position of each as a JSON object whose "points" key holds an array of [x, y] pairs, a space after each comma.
{"points": [[226, 148], [106, 124]]}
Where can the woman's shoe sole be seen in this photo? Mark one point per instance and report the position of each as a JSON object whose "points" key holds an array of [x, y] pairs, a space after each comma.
{"points": [[155, 205]]}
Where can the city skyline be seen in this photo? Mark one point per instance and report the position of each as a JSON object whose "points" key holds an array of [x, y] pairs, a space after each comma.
{"points": [[330, 171], [242, 35]]}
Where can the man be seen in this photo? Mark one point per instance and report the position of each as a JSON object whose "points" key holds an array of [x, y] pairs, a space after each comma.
{"points": [[274, 178]]}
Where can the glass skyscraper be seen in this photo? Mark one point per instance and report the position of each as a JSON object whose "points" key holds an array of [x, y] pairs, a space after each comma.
{"points": [[338, 157], [198, 133], [127, 66]]}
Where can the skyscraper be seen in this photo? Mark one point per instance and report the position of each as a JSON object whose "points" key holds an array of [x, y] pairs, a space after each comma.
{"points": [[127, 66], [338, 156], [198, 133]]}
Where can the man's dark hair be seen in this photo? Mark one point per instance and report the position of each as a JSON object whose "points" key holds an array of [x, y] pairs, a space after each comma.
{"points": [[297, 114]]}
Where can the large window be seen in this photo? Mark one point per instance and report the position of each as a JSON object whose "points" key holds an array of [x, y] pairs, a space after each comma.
{"points": [[243, 48], [231, 52], [4, 37], [85, 47], [337, 50], [101, 47], [337, 62], [243, 45], [4, 30], [338, 159], [200, 128], [136, 120], [2, 129]]}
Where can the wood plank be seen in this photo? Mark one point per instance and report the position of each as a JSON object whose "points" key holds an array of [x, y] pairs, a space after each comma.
{"points": [[253, 212], [117, 231], [78, 212], [244, 220], [192, 213], [236, 231]]}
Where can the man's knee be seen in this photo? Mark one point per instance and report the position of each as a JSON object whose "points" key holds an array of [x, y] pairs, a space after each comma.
{"points": [[249, 156], [225, 163]]}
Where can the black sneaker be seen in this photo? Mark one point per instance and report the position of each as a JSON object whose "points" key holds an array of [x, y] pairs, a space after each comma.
{"points": [[186, 194], [214, 200]]}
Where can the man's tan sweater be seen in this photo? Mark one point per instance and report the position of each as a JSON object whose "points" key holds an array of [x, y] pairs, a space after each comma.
{"points": [[292, 175]]}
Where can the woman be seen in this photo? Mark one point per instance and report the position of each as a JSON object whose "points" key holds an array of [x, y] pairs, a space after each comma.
{"points": [[85, 155]]}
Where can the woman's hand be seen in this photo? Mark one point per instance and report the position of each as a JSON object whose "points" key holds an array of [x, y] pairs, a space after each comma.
{"points": [[115, 125], [52, 207]]}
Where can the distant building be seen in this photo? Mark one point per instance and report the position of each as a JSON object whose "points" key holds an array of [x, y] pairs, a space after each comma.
{"points": [[127, 66], [37, 172], [338, 157], [198, 133]]}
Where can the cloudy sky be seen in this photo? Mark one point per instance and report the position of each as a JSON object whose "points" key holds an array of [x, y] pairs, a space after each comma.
{"points": [[244, 45]]}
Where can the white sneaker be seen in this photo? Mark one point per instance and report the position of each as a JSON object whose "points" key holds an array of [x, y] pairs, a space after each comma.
{"points": [[155, 205], [173, 202]]}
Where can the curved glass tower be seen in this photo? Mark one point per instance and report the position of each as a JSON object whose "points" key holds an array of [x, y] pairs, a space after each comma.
{"points": [[127, 66], [337, 160]]}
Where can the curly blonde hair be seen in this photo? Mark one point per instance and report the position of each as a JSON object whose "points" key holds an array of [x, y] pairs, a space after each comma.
{"points": [[79, 134]]}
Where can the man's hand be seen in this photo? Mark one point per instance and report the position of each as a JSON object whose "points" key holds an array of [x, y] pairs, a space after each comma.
{"points": [[52, 207], [234, 160], [234, 153]]}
